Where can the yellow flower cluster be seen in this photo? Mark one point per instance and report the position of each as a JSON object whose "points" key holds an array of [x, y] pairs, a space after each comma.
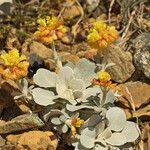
{"points": [[103, 76], [104, 79], [49, 29], [101, 35], [13, 66], [74, 123]]}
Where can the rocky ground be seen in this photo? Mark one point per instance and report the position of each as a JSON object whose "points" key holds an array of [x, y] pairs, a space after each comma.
{"points": [[19, 129]]}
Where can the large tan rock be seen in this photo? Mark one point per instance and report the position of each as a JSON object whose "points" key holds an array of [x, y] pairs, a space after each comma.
{"points": [[123, 68], [20, 123], [34, 140], [140, 93]]}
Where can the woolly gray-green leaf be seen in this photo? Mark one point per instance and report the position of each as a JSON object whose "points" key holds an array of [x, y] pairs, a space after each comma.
{"points": [[65, 75], [45, 78], [110, 97], [106, 133], [87, 138], [94, 120], [131, 131], [116, 118], [84, 70], [43, 97], [55, 121], [64, 128], [73, 108], [77, 84], [117, 139]]}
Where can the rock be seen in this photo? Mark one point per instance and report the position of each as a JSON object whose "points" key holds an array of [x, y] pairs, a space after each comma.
{"points": [[34, 140], [11, 147], [123, 68], [2, 141], [22, 122], [40, 50], [8, 108], [139, 91], [67, 57], [92, 4], [142, 53], [72, 11], [142, 113]]}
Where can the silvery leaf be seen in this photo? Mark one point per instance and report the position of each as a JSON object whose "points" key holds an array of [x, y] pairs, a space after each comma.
{"points": [[110, 97], [105, 134], [64, 128], [56, 121], [116, 118], [61, 88], [76, 84], [73, 108], [84, 70], [77, 95], [131, 131], [109, 65], [65, 75], [100, 127], [45, 78], [117, 139], [92, 121], [43, 97], [87, 138]]}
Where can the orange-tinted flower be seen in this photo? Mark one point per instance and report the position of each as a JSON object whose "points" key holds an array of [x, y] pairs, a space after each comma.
{"points": [[13, 66], [74, 123], [49, 29], [101, 35], [104, 79]]}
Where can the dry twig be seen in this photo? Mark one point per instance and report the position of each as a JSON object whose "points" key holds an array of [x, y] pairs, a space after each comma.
{"points": [[109, 11]]}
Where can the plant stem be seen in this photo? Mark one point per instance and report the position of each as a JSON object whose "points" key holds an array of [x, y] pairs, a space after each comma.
{"points": [[103, 97], [56, 57]]}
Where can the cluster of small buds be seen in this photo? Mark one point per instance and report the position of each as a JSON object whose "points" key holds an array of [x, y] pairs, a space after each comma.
{"points": [[101, 35], [49, 30], [12, 65]]}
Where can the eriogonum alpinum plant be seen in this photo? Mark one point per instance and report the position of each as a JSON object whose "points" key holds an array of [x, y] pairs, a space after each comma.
{"points": [[77, 100]]}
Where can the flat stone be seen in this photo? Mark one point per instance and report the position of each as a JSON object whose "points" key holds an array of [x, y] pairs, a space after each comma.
{"points": [[40, 50], [139, 91], [20, 123], [72, 11], [123, 68], [34, 140]]}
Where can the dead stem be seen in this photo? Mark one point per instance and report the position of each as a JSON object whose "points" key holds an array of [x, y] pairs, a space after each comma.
{"points": [[109, 11], [74, 28]]}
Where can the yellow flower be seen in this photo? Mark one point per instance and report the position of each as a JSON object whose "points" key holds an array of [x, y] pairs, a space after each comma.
{"points": [[13, 66], [103, 76], [74, 123], [101, 35], [104, 79], [49, 29]]}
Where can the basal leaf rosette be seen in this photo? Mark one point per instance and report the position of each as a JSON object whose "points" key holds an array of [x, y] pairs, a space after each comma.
{"points": [[49, 29], [13, 65], [112, 132], [70, 83], [101, 35]]}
